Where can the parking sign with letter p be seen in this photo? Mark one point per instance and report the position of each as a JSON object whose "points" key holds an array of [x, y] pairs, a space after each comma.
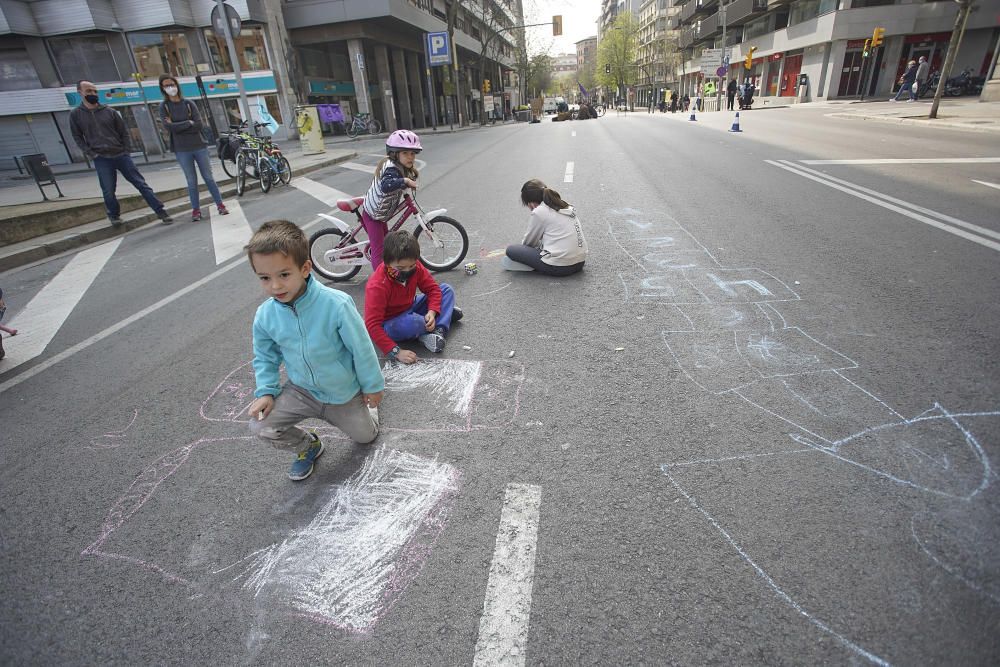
{"points": [[438, 51]]}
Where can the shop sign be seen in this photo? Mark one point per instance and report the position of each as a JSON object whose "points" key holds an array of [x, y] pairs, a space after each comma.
{"points": [[221, 86], [328, 87]]}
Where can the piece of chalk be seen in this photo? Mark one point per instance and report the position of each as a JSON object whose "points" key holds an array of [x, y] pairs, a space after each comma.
{"points": [[619, 349], [511, 355], [260, 416], [466, 347]]}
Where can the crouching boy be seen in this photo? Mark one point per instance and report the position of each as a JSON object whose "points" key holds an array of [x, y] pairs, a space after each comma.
{"points": [[333, 371], [393, 312]]}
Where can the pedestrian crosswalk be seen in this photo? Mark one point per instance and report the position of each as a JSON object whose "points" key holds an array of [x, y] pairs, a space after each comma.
{"points": [[230, 233]]}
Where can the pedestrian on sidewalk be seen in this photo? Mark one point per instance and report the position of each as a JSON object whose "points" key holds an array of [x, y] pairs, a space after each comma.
{"points": [[101, 134], [673, 101], [923, 72], [730, 94], [906, 82], [180, 117]]}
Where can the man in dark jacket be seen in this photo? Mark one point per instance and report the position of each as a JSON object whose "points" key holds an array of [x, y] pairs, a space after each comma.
{"points": [[101, 134], [730, 94], [906, 82]]}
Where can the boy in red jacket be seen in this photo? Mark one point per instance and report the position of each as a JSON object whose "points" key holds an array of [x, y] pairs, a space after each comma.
{"points": [[393, 312]]}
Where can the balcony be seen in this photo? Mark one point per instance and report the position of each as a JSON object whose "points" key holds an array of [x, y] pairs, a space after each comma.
{"points": [[741, 11], [708, 27], [685, 38], [696, 7]]}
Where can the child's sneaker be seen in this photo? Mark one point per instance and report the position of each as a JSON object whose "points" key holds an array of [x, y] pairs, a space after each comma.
{"points": [[433, 341], [303, 465], [222, 209], [196, 215], [456, 314]]}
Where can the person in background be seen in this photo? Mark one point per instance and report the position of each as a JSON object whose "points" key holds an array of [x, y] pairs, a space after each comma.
{"points": [[730, 94], [906, 82], [923, 72], [180, 117], [12, 332], [101, 134]]}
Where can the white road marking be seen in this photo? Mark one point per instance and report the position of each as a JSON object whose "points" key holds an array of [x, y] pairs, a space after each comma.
{"points": [[573, 134], [917, 160], [503, 628], [568, 178], [905, 204], [230, 233], [987, 184], [854, 191], [43, 316], [324, 193], [358, 167]]}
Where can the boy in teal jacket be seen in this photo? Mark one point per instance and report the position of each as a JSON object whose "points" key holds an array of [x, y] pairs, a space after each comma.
{"points": [[333, 371]]}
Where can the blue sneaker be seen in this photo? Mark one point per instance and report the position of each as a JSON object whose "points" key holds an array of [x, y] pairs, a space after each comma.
{"points": [[302, 467]]}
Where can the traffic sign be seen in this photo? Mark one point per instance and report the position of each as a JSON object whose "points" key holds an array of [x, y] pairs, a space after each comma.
{"points": [[721, 71], [219, 27], [438, 51]]}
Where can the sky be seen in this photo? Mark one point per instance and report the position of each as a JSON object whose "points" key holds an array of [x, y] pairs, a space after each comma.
{"points": [[579, 22]]}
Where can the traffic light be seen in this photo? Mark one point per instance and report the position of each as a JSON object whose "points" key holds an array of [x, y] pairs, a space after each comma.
{"points": [[486, 85], [867, 49], [878, 37], [556, 25], [607, 68], [748, 61]]}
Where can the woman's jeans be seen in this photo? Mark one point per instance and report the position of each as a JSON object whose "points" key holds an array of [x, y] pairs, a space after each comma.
{"points": [[187, 160]]}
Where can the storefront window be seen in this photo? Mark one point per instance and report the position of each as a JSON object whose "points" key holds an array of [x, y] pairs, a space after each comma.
{"points": [[162, 53], [249, 47], [17, 72], [757, 28], [87, 58]]}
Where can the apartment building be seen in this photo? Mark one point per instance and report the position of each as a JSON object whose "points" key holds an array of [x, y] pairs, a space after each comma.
{"points": [[823, 40], [369, 56], [586, 61], [657, 44], [46, 46]]}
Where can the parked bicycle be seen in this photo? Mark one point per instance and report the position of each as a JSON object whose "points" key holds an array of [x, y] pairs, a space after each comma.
{"points": [[362, 123], [251, 156], [338, 252]]}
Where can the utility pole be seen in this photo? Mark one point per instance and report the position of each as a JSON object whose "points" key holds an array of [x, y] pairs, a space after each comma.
{"points": [[234, 57], [722, 79], [964, 7]]}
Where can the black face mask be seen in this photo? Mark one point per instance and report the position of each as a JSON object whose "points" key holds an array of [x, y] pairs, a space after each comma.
{"points": [[92, 99]]}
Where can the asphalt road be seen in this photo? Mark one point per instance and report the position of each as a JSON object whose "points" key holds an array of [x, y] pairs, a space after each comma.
{"points": [[761, 427]]}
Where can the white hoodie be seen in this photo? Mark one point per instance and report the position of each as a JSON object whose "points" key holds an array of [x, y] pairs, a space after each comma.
{"points": [[558, 234]]}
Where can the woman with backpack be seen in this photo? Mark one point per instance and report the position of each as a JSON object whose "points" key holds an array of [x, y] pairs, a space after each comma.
{"points": [[180, 117]]}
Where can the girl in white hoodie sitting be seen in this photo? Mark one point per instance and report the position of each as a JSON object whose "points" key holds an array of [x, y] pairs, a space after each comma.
{"points": [[554, 243]]}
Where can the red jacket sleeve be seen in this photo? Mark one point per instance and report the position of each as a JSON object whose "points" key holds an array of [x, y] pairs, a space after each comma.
{"points": [[429, 286], [376, 299]]}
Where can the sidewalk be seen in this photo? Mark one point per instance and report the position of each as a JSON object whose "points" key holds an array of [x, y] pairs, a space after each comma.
{"points": [[32, 229], [956, 113]]}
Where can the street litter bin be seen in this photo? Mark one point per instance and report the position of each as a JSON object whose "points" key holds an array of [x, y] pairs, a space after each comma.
{"points": [[38, 167], [523, 116]]}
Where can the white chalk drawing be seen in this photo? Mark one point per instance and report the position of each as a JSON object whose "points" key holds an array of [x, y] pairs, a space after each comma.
{"points": [[430, 395], [346, 567], [365, 545], [113, 439], [732, 341]]}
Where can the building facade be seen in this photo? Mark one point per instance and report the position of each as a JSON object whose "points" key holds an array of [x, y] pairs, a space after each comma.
{"points": [[809, 50], [366, 54], [46, 46], [657, 50], [586, 63]]}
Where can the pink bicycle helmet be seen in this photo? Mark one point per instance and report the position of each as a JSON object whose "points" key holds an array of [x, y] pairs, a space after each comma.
{"points": [[403, 140]]}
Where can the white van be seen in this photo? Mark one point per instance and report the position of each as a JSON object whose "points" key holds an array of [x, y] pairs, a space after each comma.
{"points": [[549, 105]]}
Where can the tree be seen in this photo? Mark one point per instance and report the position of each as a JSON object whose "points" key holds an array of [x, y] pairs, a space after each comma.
{"points": [[617, 53], [538, 73]]}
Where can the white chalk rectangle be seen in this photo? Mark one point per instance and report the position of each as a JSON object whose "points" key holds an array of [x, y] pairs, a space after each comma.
{"points": [[568, 178], [230, 233], [503, 628], [363, 547], [324, 193]]}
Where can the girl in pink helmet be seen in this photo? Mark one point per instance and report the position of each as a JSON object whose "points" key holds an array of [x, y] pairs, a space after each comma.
{"points": [[393, 175]]}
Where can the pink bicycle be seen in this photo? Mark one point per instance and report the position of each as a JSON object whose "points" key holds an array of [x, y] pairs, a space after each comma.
{"points": [[338, 252]]}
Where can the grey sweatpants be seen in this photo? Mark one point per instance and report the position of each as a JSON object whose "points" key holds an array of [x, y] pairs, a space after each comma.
{"points": [[295, 404]]}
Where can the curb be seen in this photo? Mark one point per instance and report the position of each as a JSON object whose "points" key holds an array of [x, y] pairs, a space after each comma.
{"points": [[70, 241], [924, 122]]}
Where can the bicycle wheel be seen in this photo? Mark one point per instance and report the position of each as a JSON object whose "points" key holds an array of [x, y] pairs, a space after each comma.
{"points": [[600, 110], [352, 129], [229, 166], [264, 174], [374, 127], [323, 241], [284, 170], [241, 174], [448, 245]]}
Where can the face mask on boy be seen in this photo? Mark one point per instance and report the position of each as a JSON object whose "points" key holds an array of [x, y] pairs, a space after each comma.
{"points": [[399, 276]]}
